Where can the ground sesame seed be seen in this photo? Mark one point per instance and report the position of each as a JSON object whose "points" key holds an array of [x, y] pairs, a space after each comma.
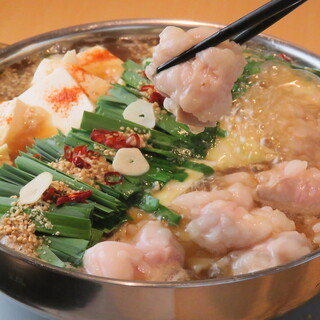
{"points": [[17, 231]]}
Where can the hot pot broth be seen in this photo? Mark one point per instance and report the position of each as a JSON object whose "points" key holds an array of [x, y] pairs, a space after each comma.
{"points": [[273, 120], [260, 134]]}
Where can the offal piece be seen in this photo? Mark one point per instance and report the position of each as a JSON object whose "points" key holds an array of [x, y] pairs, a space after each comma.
{"points": [[281, 249], [291, 187], [158, 244], [237, 187], [223, 226], [226, 219], [115, 260], [153, 254], [199, 90]]}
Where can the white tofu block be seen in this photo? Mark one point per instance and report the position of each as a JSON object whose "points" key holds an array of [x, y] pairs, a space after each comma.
{"points": [[93, 86], [70, 57], [12, 117], [45, 68], [48, 65], [62, 97], [101, 62]]}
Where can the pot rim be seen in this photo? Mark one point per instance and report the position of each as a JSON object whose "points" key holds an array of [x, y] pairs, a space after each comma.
{"points": [[160, 284], [143, 23], [21, 47]]}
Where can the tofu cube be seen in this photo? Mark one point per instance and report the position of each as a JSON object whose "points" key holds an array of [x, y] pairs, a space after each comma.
{"points": [[45, 68], [92, 85], [11, 120], [61, 96], [20, 124], [101, 63]]}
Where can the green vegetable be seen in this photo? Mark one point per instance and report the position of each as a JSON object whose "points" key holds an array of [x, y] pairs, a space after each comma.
{"points": [[166, 214], [243, 83], [148, 203], [47, 255], [68, 250], [34, 166], [123, 95]]}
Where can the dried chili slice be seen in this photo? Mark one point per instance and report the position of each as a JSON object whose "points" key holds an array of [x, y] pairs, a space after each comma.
{"points": [[75, 156], [80, 196], [93, 154], [37, 156], [284, 57], [100, 135], [156, 97], [115, 139], [134, 140], [51, 194], [68, 154], [111, 178], [80, 150], [80, 163], [147, 87]]}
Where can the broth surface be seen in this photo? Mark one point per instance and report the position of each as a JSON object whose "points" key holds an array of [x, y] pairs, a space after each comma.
{"points": [[276, 120]]}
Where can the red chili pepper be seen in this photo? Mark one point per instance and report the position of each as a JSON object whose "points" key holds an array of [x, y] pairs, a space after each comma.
{"points": [[147, 87], [134, 140], [74, 197], [50, 194], [93, 154], [103, 131], [80, 150], [98, 137], [101, 134], [74, 156], [284, 57], [156, 97], [111, 178], [113, 139], [68, 154], [37, 156], [80, 163]]}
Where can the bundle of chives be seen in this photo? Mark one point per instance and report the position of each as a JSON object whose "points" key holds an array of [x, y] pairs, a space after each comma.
{"points": [[69, 224]]}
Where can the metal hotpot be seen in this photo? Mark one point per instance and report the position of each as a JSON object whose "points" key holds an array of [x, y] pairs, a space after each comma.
{"points": [[71, 295]]}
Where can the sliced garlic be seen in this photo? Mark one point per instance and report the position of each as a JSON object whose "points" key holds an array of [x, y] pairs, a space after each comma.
{"points": [[130, 162], [140, 112], [33, 190]]}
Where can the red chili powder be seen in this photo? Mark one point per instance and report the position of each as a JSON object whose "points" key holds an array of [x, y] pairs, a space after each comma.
{"points": [[64, 99], [96, 55], [78, 73], [4, 120]]}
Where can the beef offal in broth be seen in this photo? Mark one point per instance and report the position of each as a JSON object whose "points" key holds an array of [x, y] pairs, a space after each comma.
{"points": [[226, 228]]}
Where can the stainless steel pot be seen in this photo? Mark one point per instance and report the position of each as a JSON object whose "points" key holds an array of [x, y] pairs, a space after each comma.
{"points": [[70, 295]]}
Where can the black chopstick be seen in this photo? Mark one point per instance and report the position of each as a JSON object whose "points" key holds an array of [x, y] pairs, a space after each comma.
{"points": [[250, 20], [255, 30]]}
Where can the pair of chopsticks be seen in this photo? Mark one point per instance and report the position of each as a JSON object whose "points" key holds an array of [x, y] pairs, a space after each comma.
{"points": [[241, 30]]}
